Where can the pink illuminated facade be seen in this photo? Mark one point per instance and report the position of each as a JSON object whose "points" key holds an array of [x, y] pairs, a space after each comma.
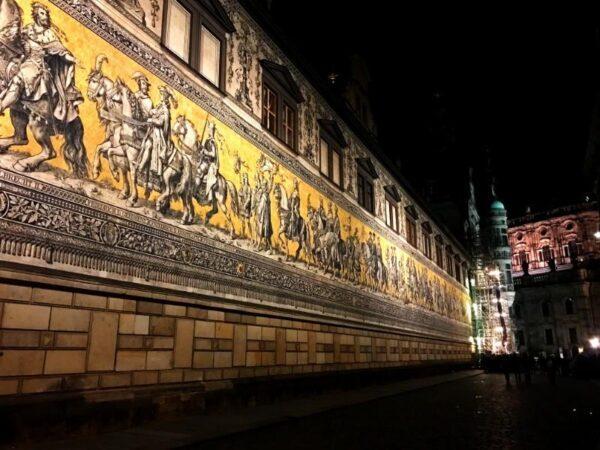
{"points": [[556, 276], [560, 235]]}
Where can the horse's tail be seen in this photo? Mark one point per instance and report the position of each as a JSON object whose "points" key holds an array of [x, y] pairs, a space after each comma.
{"points": [[235, 207], [185, 180], [73, 149]]}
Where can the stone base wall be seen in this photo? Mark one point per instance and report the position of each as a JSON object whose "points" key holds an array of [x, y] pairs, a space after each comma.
{"points": [[54, 339]]}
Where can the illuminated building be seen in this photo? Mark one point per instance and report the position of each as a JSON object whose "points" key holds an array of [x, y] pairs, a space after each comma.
{"points": [[555, 265], [209, 215], [491, 278]]}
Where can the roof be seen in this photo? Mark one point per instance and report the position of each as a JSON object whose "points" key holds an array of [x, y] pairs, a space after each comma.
{"points": [[497, 204]]}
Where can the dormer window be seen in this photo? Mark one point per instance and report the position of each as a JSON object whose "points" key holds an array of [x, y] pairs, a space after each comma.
{"points": [[280, 98], [330, 151], [195, 32], [365, 176]]}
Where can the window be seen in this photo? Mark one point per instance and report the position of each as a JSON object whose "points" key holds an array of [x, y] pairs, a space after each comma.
{"points": [[426, 239], [178, 30], [269, 109], [332, 142], [280, 98], [569, 306], [523, 257], [457, 272], [449, 265], [289, 125], [195, 34], [546, 309], [392, 197], [439, 252], [365, 191], [549, 337], [503, 237], [545, 253], [508, 273], [426, 242], [573, 336], [411, 231], [391, 213], [210, 56]]}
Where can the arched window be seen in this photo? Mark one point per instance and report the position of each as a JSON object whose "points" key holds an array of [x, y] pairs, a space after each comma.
{"points": [[569, 306]]}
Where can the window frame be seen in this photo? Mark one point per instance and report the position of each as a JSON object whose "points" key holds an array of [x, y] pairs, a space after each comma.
{"points": [[449, 261], [391, 206], [332, 146], [283, 100], [266, 90], [439, 251], [426, 232], [361, 196], [200, 18]]}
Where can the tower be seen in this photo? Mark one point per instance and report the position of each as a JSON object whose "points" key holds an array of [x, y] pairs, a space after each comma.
{"points": [[491, 282]]}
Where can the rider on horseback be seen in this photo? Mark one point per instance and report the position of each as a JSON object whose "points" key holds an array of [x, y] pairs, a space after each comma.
{"points": [[209, 163], [156, 145], [46, 69]]}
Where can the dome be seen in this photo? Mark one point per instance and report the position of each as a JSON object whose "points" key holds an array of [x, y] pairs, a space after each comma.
{"points": [[496, 205]]}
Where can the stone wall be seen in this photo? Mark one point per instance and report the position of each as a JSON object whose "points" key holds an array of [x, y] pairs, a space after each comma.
{"points": [[54, 339]]}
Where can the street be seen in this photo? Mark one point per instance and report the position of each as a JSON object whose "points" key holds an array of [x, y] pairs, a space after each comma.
{"points": [[473, 413]]}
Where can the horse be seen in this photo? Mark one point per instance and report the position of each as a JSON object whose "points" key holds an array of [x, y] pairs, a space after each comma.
{"points": [[122, 148], [193, 184], [283, 234], [178, 181], [37, 115]]}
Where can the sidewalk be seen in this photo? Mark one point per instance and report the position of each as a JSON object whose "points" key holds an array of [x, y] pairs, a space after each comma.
{"points": [[197, 428]]}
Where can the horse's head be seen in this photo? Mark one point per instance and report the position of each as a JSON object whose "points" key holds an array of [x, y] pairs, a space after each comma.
{"points": [[97, 82]]}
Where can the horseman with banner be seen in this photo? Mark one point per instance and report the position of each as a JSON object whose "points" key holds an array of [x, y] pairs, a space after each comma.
{"points": [[208, 170]]}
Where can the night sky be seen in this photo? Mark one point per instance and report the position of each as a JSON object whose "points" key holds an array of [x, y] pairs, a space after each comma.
{"points": [[448, 83]]}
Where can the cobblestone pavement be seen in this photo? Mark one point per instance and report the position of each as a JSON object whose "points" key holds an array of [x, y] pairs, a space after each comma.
{"points": [[473, 413]]}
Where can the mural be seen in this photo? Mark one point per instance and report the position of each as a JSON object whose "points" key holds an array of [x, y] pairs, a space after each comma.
{"points": [[127, 138]]}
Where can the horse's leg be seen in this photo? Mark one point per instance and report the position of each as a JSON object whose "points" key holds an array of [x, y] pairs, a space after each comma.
{"points": [[162, 203], [19, 122], [212, 212], [97, 163], [132, 173], [299, 249], [221, 199], [126, 191], [41, 134]]}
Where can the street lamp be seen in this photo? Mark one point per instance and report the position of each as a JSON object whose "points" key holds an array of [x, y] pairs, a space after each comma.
{"points": [[597, 234], [595, 342]]}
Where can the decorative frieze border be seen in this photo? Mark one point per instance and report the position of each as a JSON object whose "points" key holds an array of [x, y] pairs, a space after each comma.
{"points": [[61, 227], [100, 23]]}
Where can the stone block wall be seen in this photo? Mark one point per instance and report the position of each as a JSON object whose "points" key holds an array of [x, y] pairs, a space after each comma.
{"points": [[58, 340]]}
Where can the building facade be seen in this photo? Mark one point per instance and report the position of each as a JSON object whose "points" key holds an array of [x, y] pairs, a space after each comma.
{"points": [[555, 263], [179, 204]]}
